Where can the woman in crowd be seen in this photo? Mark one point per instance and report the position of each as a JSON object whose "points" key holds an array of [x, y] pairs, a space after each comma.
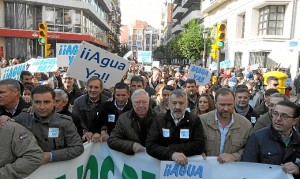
{"points": [[204, 105], [163, 98]]}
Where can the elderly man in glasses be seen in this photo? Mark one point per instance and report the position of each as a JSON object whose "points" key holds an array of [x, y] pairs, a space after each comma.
{"points": [[278, 144]]}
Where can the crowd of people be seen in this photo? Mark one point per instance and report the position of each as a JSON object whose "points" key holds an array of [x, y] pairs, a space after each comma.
{"points": [[47, 118]]}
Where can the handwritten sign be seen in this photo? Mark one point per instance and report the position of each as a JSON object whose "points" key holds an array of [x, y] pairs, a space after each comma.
{"points": [[65, 53], [200, 75], [94, 61]]}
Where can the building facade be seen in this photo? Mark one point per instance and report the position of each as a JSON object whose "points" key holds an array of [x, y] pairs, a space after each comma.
{"points": [[141, 37], [264, 32], [69, 21]]}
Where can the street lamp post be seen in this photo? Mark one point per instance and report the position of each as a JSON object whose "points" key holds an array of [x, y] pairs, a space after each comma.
{"points": [[204, 35]]}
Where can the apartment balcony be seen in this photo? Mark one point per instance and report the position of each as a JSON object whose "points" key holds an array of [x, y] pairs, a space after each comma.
{"points": [[209, 5], [177, 1], [178, 12], [193, 14], [189, 3], [176, 29], [106, 4]]}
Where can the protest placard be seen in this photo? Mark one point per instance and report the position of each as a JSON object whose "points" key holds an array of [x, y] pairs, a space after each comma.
{"points": [[94, 61], [13, 72], [144, 56], [43, 65], [200, 75], [65, 53]]}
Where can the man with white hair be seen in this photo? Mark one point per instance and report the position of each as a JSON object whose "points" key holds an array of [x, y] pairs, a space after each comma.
{"points": [[130, 132]]}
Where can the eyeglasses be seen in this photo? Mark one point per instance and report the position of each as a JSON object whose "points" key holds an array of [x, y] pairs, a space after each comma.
{"points": [[282, 116]]}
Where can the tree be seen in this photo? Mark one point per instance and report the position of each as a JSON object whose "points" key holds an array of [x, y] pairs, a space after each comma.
{"points": [[191, 42]]}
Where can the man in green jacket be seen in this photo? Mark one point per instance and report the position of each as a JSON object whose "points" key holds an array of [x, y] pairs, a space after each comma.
{"points": [[20, 154]]}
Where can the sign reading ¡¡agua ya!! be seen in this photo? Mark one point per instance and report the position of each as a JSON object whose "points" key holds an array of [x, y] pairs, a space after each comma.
{"points": [[98, 161], [94, 61], [65, 53]]}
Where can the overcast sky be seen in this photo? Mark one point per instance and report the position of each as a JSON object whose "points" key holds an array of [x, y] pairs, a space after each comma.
{"points": [[146, 10]]}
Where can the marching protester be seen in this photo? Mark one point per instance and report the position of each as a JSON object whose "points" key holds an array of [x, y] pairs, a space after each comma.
{"points": [[11, 103], [191, 91], [20, 154], [279, 143], [111, 110], [204, 105], [163, 99], [266, 119], [88, 106], [55, 133], [177, 134], [226, 132], [132, 127]]}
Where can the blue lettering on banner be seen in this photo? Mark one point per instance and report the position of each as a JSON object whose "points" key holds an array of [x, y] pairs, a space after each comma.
{"points": [[202, 71], [178, 170], [104, 77], [71, 58], [14, 72], [68, 49], [103, 62]]}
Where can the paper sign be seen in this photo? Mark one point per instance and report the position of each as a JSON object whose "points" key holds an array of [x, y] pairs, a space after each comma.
{"points": [[144, 56], [200, 75], [13, 72], [94, 61], [65, 53], [43, 65]]}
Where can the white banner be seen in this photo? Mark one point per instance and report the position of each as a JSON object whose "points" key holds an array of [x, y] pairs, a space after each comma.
{"points": [[65, 53], [43, 65], [13, 71], [94, 61], [224, 64], [98, 161], [200, 75]]}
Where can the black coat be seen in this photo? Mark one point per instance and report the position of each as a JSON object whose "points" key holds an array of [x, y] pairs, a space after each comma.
{"points": [[162, 148], [109, 108], [22, 105]]}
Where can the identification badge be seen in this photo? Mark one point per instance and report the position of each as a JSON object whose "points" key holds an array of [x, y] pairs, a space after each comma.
{"points": [[253, 119], [53, 132], [166, 132], [184, 133], [111, 118]]}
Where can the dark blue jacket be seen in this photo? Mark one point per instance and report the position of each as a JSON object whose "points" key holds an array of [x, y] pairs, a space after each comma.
{"points": [[265, 146]]}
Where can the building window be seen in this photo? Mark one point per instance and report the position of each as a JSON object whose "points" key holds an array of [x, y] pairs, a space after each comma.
{"points": [[271, 20], [243, 26], [262, 59], [238, 59]]}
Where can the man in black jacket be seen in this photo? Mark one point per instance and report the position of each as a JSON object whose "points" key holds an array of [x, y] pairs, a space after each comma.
{"points": [[130, 132], [176, 134], [242, 107], [87, 107], [11, 104], [112, 109], [278, 144]]}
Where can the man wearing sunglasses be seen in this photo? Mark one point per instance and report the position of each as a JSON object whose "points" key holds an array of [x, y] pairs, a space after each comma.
{"points": [[278, 144], [272, 83]]}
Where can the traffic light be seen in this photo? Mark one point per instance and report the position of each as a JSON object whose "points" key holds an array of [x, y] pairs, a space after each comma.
{"points": [[47, 50], [214, 52], [220, 35], [43, 33]]}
